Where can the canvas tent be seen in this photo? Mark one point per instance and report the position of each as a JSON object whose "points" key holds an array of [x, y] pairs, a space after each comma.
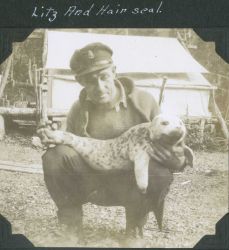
{"points": [[145, 59], [185, 94]]}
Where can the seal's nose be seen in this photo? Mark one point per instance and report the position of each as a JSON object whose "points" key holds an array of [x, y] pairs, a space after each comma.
{"points": [[176, 134], [178, 128]]}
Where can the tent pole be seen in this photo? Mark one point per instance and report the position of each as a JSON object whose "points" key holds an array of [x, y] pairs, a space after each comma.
{"points": [[43, 88], [162, 90]]}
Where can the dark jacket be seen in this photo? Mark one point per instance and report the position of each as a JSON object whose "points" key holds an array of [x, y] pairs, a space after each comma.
{"points": [[142, 101]]}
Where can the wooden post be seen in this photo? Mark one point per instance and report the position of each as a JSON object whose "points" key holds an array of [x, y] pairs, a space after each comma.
{"points": [[36, 81], [44, 102], [2, 127], [45, 48], [202, 125], [42, 87], [30, 71], [220, 118], [162, 90], [212, 130], [5, 75]]}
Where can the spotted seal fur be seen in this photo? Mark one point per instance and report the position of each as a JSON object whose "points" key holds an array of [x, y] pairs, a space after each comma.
{"points": [[136, 145]]}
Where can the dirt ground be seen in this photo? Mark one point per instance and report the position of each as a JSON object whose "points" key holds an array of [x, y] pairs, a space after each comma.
{"points": [[198, 198]]}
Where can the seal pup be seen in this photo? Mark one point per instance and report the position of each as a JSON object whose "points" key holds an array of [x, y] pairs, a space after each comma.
{"points": [[132, 149]]}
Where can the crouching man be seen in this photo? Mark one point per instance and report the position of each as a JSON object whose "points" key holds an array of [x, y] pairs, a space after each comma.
{"points": [[107, 107]]}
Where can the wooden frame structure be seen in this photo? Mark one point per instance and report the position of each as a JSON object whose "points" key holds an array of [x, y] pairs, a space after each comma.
{"points": [[42, 80]]}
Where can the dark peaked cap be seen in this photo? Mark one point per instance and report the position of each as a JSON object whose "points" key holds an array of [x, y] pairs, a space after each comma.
{"points": [[93, 57]]}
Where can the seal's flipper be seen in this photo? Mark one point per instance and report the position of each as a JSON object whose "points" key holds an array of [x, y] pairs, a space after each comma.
{"points": [[141, 166]]}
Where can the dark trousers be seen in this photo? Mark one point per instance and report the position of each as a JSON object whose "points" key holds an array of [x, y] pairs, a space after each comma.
{"points": [[71, 182]]}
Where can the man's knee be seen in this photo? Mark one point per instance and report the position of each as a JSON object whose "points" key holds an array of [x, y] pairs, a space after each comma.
{"points": [[58, 151], [54, 159]]}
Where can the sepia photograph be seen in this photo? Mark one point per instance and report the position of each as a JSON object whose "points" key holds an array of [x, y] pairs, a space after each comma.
{"points": [[114, 137]]}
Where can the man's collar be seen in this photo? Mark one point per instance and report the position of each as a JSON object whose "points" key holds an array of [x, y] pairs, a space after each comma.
{"points": [[122, 97]]}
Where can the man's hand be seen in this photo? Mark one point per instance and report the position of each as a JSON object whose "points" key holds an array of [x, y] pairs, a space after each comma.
{"points": [[161, 153], [47, 135], [172, 157]]}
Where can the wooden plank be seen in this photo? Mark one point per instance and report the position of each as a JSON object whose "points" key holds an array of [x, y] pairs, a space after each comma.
{"points": [[25, 122], [25, 165], [21, 167], [198, 118], [17, 111], [57, 112], [31, 111], [177, 86], [58, 72]]}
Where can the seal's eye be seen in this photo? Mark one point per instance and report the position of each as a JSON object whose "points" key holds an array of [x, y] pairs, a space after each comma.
{"points": [[165, 123]]}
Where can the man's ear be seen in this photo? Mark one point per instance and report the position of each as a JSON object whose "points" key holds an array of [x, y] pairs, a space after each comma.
{"points": [[155, 118], [114, 70], [79, 80], [76, 78]]}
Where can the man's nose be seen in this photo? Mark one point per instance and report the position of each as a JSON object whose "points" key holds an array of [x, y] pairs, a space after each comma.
{"points": [[99, 85], [178, 127]]}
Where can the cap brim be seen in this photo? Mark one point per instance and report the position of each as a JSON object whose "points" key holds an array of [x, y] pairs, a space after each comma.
{"points": [[94, 68]]}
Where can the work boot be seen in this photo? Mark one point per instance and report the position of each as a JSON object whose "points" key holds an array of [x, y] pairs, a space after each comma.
{"points": [[64, 236], [70, 222]]}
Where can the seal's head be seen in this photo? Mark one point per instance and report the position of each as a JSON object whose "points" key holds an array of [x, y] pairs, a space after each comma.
{"points": [[167, 129]]}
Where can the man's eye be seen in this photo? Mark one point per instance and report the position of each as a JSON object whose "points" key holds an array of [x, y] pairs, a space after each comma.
{"points": [[90, 80], [87, 84], [104, 77]]}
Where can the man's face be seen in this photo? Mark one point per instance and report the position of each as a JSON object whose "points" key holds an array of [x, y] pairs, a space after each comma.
{"points": [[100, 85]]}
